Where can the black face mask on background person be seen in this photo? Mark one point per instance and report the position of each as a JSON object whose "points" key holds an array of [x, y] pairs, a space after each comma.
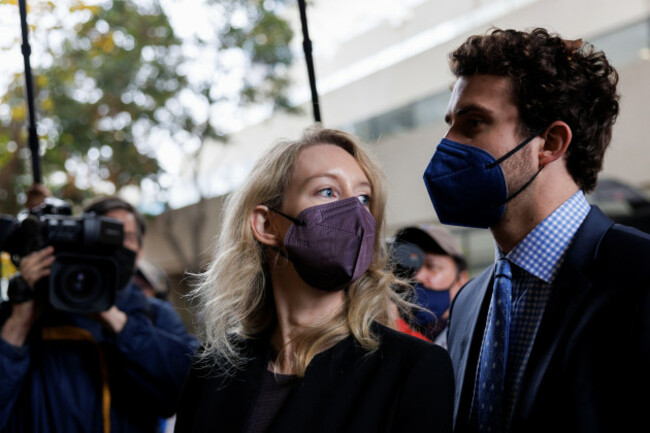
{"points": [[125, 258]]}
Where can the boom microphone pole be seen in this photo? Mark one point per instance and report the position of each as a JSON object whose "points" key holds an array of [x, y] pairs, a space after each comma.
{"points": [[32, 137], [306, 46]]}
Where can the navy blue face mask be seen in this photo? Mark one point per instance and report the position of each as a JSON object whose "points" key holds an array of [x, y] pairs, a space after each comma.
{"points": [[467, 186], [434, 302]]}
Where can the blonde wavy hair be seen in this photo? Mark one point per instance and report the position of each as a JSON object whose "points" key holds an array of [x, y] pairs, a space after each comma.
{"points": [[234, 293]]}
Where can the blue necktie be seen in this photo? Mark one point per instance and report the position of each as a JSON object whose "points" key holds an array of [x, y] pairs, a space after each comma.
{"points": [[494, 354]]}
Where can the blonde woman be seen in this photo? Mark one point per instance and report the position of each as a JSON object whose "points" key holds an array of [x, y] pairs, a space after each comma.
{"points": [[295, 302]]}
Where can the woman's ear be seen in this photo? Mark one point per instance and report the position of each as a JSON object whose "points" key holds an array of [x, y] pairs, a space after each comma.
{"points": [[557, 138], [263, 228]]}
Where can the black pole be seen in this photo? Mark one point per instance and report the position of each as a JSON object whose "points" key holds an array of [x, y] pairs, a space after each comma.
{"points": [[33, 137], [306, 46]]}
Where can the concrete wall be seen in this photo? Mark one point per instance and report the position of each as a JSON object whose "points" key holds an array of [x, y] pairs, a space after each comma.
{"points": [[180, 240], [628, 157]]}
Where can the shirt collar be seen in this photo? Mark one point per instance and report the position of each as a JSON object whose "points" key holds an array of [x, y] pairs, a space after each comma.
{"points": [[542, 250]]}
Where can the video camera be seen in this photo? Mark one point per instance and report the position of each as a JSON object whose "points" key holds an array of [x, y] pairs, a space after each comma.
{"points": [[86, 271]]}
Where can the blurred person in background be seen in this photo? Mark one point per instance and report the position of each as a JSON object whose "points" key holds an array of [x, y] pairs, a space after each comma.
{"points": [[555, 336], [294, 307], [442, 274], [114, 371], [153, 281]]}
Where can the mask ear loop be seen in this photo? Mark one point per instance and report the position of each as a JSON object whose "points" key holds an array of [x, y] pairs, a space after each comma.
{"points": [[293, 221], [290, 218], [520, 190], [509, 154]]}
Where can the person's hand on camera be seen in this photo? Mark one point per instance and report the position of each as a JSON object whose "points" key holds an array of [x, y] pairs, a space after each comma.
{"points": [[32, 268], [36, 265], [113, 319]]}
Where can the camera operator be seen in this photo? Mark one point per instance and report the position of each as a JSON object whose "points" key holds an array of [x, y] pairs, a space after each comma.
{"points": [[113, 371]]}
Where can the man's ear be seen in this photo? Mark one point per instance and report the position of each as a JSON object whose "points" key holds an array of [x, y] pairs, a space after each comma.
{"points": [[557, 138], [263, 228]]}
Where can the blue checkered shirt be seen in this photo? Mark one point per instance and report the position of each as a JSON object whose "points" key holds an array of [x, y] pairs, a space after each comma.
{"points": [[536, 259]]}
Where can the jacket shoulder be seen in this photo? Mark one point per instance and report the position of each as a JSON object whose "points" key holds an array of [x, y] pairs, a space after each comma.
{"points": [[628, 239], [393, 341], [469, 290], [624, 252]]}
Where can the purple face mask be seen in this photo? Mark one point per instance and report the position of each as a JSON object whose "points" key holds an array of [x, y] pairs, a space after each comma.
{"points": [[331, 245]]}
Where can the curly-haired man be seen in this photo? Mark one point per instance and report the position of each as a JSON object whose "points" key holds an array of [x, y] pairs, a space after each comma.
{"points": [[555, 336]]}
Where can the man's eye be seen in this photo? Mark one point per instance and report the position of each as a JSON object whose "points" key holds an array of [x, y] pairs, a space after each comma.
{"points": [[326, 192]]}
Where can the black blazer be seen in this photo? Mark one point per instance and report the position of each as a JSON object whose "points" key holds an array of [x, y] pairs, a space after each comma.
{"points": [[406, 385], [588, 369]]}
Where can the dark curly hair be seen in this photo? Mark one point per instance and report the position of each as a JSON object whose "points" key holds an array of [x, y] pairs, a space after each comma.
{"points": [[552, 79]]}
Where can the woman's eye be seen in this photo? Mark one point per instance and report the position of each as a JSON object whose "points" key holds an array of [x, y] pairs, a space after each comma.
{"points": [[326, 192], [364, 199]]}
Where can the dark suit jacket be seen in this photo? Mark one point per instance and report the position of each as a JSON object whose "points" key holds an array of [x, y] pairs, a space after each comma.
{"points": [[404, 386], [588, 369]]}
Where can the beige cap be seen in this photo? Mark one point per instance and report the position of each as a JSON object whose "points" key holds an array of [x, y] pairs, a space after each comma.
{"points": [[433, 238]]}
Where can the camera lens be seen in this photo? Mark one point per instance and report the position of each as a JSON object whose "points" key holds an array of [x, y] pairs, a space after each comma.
{"points": [[80, 284]]}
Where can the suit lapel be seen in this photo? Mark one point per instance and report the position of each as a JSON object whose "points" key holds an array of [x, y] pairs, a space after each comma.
{"points": [[571, 286], [467, 310]]}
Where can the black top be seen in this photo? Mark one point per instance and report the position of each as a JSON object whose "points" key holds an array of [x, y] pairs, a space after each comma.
{"points": [[274, 390], [406, 385]]}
